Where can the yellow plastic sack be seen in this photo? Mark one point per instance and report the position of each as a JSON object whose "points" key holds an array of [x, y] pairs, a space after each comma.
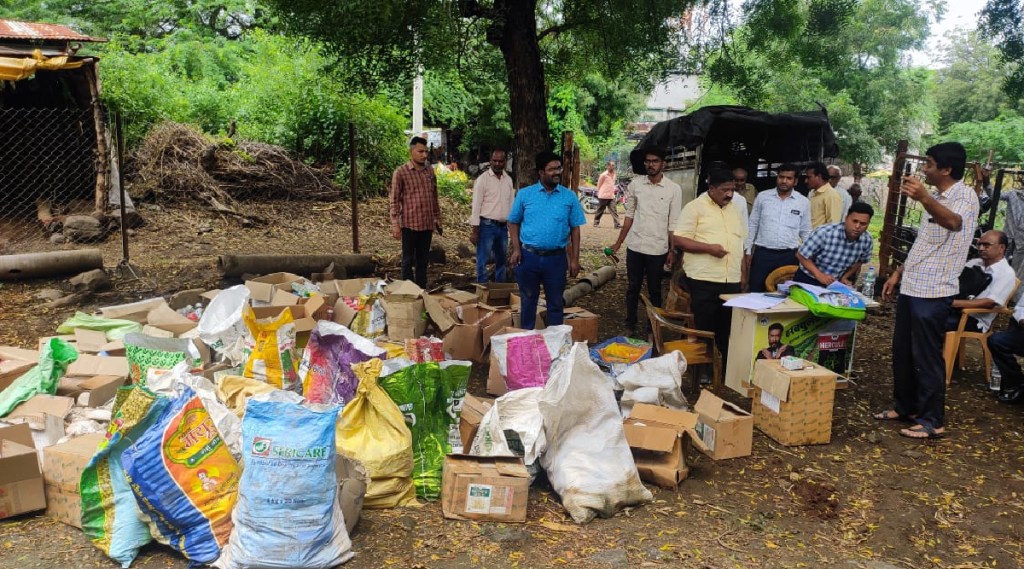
{"points": [[270, 351], [372, 430], [234, 390]]}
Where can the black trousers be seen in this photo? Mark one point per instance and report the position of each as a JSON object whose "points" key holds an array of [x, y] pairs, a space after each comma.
{"points": [[1006, 346], [918, 370], [709, 314], [638, 267], [415, 248], [764, 261]]}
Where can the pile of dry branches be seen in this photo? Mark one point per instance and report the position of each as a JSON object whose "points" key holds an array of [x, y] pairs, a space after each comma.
{"points": [[177, 162]]}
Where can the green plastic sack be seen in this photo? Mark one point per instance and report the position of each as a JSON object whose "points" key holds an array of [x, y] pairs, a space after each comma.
{"points": [[839, 301], [54, 359], [114, 328], [430, 398], [145, 352]]}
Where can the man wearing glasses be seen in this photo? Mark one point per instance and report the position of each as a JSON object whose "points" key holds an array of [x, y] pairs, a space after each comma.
{"points": [[653, 203], [991, 259], [544, 225]]}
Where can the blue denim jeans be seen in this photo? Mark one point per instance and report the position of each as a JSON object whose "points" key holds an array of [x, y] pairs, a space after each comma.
{"points": [[533, 271], [493, 238]]}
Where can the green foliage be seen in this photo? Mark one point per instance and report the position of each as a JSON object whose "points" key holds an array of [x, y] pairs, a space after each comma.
{"points": [[1001, 20], [969, 86], [452, 184], [848, 55], [1004, 135]]}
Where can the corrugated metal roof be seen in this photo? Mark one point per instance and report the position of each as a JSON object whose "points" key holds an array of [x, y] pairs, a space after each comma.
{"points": [[13, 29]]}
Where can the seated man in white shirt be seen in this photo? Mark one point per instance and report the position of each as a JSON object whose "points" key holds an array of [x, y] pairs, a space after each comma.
{"points": [[991, 251]]}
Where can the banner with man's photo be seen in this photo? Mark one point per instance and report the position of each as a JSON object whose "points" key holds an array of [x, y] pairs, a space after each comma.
{"points": [[825, 341]]}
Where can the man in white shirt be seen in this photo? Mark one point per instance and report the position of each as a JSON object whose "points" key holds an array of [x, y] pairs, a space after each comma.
{"points": [[991, 251], [653, 203], [835, 174], [778, 224], [492, 199]]}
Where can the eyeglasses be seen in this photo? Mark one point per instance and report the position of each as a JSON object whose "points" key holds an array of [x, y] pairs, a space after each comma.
{"points": [[655, 161], [553, 170], [983, 245]]}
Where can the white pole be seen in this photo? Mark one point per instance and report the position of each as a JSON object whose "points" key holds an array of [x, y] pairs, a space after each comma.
{"points": [[417, 103]]}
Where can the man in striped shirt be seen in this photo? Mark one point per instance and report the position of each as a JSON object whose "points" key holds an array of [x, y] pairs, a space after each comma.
{"points": [[415, 212], [929, 279]]}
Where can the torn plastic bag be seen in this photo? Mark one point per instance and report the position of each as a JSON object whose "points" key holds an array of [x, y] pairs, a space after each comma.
{"points": [[270, 348], [657, 381], [228, 424], [146, 353], [430, 397], [513, 426], [54, 359], [371, 318], [234, 391], [185, 478], [287, 513], [221, 326], [616, 354], [373, 431], [326, 367], [587, 458], [110, 515], [114, 328]]}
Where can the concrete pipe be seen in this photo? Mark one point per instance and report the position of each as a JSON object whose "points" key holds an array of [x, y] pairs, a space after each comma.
{"points": [[345, 266], [49, 264]]}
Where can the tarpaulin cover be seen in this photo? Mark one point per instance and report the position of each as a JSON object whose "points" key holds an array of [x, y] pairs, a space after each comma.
{"points": [[728, 131], [18, 68]]}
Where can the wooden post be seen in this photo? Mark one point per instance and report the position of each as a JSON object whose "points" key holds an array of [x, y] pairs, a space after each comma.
{"points": [[119, 134], [892, 205], [567, 146], [102, 150], [575, 168], [353, 185]]}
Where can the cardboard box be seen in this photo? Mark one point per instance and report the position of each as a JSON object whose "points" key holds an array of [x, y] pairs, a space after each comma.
{"points": [[90, 391], [473, 411], [794, 407], [89, 365], [584, 324], [496, 294], [262, 289], [14, 362], [62, 470], [166, 318], [404, 310], [90, 341], [492, 489], [725, 430], [348, 288], [21, 482], [303, 314], [656, 436], [134, 311], [470, 338]]}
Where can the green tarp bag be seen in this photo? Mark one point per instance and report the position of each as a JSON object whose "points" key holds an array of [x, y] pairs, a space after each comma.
{"points": [[835, 301]]}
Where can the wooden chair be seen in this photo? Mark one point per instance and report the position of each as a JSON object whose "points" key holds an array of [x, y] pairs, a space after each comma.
{"points": [[697, 346], [678, 298], [779, 276], [952, 348]]}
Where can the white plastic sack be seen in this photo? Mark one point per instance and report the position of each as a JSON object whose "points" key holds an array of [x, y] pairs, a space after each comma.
{"points": [[657, 381], [221, 326], [516, 411], [558, 339], [587, 459], [229, 425]]}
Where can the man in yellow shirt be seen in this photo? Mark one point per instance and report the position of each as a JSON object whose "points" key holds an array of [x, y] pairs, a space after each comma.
{"points": [[826, 202], [711, 231]]}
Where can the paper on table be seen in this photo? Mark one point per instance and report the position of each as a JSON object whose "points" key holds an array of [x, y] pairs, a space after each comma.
{"points": [[754, 301]]}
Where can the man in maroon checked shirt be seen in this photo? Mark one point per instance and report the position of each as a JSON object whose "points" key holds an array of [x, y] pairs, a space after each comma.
{"points": [[415, 213]]}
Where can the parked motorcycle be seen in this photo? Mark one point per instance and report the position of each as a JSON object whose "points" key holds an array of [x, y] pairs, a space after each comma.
{"points": [[589, 201]]}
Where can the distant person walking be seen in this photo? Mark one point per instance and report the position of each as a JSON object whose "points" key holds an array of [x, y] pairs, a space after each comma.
{"points": [[415, 211], [606, 195], [492, 200]]}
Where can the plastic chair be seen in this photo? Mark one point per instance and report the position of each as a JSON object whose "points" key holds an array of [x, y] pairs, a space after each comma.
{"points": [[779, 276], [697, 346], [678, 298], [952, 348]]}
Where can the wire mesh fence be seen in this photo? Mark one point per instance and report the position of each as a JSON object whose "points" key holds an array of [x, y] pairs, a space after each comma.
{"points": [[51, 169]]}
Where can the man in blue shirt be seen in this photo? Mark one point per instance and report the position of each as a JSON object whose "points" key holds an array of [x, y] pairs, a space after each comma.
{"points": [[545, 218], [835, 252]]}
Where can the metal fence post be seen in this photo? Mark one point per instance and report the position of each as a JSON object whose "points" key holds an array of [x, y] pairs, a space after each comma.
{"points": [[353, 185]]}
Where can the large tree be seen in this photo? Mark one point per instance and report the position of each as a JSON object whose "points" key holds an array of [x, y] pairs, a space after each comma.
{"points": [[969, 85], [384, 41], [1003, 20]]}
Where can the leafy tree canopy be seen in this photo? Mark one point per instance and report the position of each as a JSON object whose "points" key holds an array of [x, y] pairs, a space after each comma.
{"points": [[969, 85], [1003, 20]]}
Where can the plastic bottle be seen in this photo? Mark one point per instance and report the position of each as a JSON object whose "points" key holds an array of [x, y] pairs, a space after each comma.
{"points": [[868, 287], [995, 382]]}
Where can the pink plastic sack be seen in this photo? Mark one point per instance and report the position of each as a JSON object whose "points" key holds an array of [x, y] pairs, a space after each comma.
{"points": [[528, 362]]}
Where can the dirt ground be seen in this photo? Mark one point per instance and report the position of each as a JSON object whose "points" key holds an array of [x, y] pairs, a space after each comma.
{"points": [[870, 499]]}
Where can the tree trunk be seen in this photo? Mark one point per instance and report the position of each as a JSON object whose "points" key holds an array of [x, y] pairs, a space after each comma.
{"points": [[517, 39]]}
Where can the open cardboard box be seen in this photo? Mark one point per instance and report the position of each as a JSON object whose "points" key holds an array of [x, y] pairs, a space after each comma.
{"points": [[15, 362], [478, 488], [62, 471], [21, 481], [496, 294], [91, 365], [473, 411], [726, 430], [470, 338], [304, 314], [134, 311], [93, 391], [262, 289], [656, 436]]}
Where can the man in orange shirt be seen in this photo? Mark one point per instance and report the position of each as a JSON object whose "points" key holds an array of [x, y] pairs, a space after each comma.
{"points": [[606, 195]]}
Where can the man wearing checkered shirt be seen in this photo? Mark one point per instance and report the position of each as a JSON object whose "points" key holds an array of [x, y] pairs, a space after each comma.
{"points": [[836, 251], [415, 212], [929, 279]]}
